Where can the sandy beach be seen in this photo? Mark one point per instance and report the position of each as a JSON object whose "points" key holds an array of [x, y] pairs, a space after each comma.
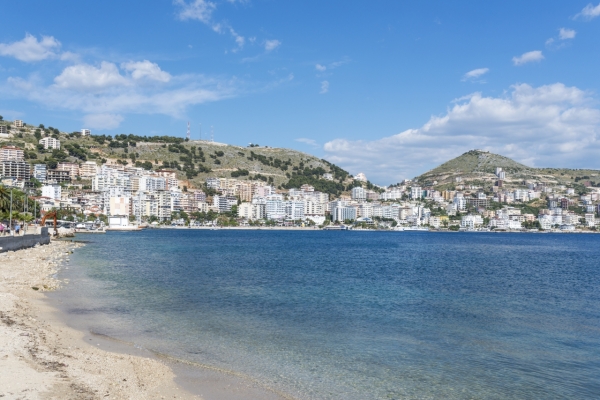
{"points": [[42, 358]]}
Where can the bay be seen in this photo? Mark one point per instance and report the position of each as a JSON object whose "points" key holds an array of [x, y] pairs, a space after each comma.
{"points": [[354, 315]]}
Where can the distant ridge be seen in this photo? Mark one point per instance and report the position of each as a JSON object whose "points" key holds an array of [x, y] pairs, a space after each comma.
{"points": [[480, 166], [475, 161]]}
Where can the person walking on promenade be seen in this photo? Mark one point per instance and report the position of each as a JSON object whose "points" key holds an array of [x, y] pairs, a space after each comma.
{"points": [[1, 229], [17, 229]]}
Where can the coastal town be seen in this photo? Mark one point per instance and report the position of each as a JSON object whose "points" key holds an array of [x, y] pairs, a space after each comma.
{"points": [[119, 195]]}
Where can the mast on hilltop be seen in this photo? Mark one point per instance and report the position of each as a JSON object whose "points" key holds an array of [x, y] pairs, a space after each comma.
{"points": [[188, 131]]}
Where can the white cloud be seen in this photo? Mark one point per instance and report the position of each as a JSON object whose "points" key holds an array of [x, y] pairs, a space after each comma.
{"points": [[89, 89], [324, 87], [476, 73], [552, 125], [30, 49], [87, 77], [565, 33], [528, 57], [102, 121], [320, 68], [549, 41], [310, 142], [240, 40], [271, 45], [146, 70], [200, 10], [589, 12]]}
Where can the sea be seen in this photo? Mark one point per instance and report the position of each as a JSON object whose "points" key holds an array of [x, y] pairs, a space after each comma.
{"points": [[353, 314]]}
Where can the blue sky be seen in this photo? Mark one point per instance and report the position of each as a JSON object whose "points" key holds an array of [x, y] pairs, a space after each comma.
{"points": [[389, 88]]}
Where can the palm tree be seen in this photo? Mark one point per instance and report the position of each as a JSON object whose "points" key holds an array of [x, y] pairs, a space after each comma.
{"points": [[4, 198]]}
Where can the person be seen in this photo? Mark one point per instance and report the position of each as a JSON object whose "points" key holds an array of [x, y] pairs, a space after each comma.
{"points": [[17, 229], [1, 229]]}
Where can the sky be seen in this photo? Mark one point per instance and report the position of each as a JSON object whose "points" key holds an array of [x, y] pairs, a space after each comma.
{"points": [[388, 88]]}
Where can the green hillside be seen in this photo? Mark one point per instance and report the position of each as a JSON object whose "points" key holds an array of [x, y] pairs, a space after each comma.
{"points": [[478, 167], [194, 161]]}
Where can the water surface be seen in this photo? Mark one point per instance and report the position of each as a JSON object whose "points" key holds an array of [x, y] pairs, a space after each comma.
{"points": [[355, 315]]}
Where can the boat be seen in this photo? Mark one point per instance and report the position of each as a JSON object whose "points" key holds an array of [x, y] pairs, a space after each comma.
{"points": [[417, 228], [335, 228]]}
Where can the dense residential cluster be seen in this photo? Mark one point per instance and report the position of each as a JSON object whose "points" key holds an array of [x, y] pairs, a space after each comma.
{"points": [[131, 194]]}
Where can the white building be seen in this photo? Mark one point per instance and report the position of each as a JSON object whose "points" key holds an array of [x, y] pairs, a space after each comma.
{"points": [[39, 172], [86, 132], [340, 211], [51, 191], [221, 203], [359, 194], [275, 208], [213, 183], [119, 206], [50, 143], [590, 220], [360, 177], [252, 211], [294, 210], [151, 184], [88, 169], [471, 221], [11, 153], [460, 202], [416, 192]]}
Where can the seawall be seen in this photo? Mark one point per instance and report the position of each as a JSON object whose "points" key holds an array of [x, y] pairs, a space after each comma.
{"points": [[12, 243]]}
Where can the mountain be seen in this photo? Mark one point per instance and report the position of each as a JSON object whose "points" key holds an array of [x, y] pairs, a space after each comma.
{"points": [[194, 161], [477, 167]]}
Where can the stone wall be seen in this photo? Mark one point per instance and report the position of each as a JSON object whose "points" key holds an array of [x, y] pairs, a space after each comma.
{"points": [[12, 243]]}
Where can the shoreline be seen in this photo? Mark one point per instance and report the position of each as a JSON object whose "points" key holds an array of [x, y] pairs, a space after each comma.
{"points": [[43, 357], [316, 229]]}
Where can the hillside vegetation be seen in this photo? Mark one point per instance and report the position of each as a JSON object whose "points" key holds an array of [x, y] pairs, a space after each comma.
{"points": [[194, 161], [478, 167]]}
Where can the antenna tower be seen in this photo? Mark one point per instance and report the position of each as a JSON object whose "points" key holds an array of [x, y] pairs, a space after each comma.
{"points": [[212, 134], [188, 131]]}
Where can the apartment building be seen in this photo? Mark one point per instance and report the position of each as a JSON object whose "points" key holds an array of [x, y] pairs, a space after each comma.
{"points": [[11, 153], [20, 170], [58, 176], [39, 172], [88, 169], [72, 168], [50, 143], [52, 191]]}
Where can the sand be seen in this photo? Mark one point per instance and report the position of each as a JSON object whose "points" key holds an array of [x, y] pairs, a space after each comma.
{"points": [[42, 358]]}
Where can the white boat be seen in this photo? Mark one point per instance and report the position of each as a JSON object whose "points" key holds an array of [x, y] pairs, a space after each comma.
{"points": [[335, 228], [417, 228]]}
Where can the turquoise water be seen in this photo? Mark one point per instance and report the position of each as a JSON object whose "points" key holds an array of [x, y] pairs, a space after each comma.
{"points": [[355, 315]]}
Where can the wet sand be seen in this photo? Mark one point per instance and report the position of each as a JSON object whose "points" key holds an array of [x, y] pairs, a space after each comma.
{"points": [[41, 357]]}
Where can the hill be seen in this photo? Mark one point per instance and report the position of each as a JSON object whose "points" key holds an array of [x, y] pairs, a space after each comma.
{"points": [[477, 167], [194, 161]]}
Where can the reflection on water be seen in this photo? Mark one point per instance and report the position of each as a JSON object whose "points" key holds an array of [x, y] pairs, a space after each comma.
{"points": [[355, 315]]}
